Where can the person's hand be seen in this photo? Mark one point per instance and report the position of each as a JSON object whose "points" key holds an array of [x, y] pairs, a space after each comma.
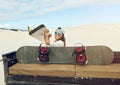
{"points": [[46, 31], [47, 34]]}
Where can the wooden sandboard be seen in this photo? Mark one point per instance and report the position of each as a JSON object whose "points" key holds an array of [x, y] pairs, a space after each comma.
{"points": [[96, 55], [38, 32]]}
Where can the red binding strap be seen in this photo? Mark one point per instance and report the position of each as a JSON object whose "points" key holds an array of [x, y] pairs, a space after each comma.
{"points": [[80, 54]]}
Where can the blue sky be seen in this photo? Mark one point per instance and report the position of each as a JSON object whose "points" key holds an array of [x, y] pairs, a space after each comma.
{"points": [[19, 14]]}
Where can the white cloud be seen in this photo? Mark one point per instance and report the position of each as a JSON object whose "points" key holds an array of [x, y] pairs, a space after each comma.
{"points": [[6, 26], [20, 9]]}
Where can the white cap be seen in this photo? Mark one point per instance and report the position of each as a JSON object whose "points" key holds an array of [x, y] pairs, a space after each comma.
{"points": [[59, 28]]}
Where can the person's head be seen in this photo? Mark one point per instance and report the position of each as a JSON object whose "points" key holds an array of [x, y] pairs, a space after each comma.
{"points": [[59, 35]]}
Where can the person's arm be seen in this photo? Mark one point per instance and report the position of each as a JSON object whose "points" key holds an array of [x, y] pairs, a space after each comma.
{"points": [[47, 37]]}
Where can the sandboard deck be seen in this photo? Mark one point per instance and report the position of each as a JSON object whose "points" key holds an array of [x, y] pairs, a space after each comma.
{"points": [[96, 55], [38, 32], [64, 70]]}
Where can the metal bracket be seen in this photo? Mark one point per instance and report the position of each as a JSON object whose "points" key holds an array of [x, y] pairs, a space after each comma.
{"points": [[3, 59]]}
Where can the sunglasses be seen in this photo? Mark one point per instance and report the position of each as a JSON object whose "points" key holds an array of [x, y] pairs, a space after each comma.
{"points": [[58, 33]]}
